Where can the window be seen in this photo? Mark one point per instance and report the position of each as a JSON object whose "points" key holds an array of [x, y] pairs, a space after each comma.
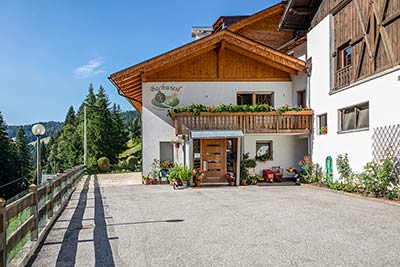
{"points": [[354, 118], [166, 151], [344, 53], [264, 150], [301, 98], [196, 153], [322, 124], [255, 98]]}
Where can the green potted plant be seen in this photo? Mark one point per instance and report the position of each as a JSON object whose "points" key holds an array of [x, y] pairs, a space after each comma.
{"points": [[230, 177], [154, 170], [197, 175], [245, 165], [264, 157]]}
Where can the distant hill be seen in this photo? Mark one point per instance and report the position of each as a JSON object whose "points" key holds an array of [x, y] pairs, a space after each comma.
{"points": [[54, 127]]}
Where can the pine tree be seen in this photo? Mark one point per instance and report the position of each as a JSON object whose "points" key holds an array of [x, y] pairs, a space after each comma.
{"points": [[119, 132], [67, 152], [8, 168], [24, 167], [53, 162], [103, 127], [70, 118], [136, 129]]}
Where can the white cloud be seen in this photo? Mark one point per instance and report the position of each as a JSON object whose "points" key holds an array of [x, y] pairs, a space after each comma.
{"points": [[93, 67]]}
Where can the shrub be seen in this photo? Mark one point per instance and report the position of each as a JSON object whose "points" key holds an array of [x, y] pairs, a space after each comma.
{"points": [[379, 179], [131, 162], [104, 164], [245, 165], [155, 169], [313, 172]]}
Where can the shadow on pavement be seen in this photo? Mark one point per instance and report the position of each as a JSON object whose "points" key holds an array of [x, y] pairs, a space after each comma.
{"points": [[67, 253], [102, 248]]}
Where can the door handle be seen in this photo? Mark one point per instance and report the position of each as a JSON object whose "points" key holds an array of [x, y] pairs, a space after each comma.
{"points": [[205, 165]]}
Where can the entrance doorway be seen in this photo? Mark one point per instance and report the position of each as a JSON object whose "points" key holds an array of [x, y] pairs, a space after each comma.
{"points": [[213, 160]]}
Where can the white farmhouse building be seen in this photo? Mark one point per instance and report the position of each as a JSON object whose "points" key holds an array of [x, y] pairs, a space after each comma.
{"points": [[341, 58], [242, 62]]}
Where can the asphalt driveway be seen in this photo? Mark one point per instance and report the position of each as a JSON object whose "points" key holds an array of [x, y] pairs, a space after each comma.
{"points": [[110, 223]]}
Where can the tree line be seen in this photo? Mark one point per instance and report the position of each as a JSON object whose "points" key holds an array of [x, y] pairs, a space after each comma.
{"points": [[107, 136]]}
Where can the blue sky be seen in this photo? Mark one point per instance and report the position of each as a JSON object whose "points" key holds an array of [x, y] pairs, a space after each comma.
{"points": [[50, 51]]}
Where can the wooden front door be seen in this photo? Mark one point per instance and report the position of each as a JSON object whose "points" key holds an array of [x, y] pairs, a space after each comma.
{"points": [[213, 160]]}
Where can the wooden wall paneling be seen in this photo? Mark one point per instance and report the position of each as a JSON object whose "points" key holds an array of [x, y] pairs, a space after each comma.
{"points": [[265, 31]]}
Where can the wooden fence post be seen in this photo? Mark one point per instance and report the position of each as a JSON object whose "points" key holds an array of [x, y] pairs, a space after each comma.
{"points": [[49, 197], [3, 233], [34, 212]]}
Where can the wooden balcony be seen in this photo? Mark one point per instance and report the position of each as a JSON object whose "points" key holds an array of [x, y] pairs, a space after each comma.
{"points": [[343, 77], [262, 122]]}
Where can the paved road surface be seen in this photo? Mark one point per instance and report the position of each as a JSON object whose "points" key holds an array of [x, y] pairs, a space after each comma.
{"points": [[109, 223]]}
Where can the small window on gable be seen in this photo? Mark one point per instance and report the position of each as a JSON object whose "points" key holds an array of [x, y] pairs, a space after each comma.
{"points": [[255, 98], [322, 123], [344, 53]]}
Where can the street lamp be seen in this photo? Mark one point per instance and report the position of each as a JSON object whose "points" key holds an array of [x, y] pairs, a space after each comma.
{"points": [[38, 130]]}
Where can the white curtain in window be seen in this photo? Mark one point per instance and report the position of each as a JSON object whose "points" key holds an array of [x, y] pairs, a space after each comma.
{"points": [[363, 118], [348, 120]]}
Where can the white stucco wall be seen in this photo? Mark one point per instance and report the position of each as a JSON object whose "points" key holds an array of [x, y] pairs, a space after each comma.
{"points": [[287, 150], [158, 127], [383, 94]]}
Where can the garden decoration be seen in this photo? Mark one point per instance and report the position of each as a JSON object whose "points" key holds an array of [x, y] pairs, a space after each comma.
{"points": [[329, 169]]}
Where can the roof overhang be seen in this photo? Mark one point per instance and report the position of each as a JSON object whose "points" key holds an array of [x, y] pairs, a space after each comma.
{"points": [[298, 14], [216, 134], [129, 81]]}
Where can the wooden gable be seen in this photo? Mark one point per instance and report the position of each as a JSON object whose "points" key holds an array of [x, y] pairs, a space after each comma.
{"points": [[263, 27], [221, 64]]}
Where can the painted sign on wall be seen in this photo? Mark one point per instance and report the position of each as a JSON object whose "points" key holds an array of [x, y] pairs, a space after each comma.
{"points": [[165, 96]]}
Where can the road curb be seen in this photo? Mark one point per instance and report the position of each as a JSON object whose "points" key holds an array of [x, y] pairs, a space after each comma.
{"points": [[355, 195]]}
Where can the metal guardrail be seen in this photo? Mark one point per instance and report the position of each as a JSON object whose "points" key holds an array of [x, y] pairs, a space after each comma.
{"points": [[24, 222]]}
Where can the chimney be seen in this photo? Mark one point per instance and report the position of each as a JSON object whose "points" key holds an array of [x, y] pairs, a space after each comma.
{"points": [[201, 31]]}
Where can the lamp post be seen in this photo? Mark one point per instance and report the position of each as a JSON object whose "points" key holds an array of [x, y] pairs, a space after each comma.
{"points": [[38, 130]]}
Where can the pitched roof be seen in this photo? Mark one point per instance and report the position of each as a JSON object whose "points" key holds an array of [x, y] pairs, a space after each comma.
{"points": [[129, 81], [298, 14]]}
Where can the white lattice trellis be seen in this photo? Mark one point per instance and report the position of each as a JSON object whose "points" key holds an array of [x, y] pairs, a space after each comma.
{"points": [[386, 143]]}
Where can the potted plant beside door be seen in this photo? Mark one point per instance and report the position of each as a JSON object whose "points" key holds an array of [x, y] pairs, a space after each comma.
{"points": [[230, 178], [197, 175]]}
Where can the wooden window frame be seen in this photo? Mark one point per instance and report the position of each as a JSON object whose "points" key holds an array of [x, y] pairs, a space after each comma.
{"points": [[341, 55], [319, 126], [356, 111], [270, 147], [254, 96]]}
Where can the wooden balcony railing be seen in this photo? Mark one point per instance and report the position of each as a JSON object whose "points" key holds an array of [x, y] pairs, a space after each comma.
{"points": [[262, 122], [343, 77]]}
